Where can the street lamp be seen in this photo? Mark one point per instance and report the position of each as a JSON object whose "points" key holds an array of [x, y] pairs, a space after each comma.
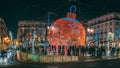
{"points": [[90, 31], [46, 41], [33, 41], [48, 27], [109, 38]]}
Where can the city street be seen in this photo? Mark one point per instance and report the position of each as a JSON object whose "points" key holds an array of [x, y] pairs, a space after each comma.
{"points": [[114, 63], [60, 34]]}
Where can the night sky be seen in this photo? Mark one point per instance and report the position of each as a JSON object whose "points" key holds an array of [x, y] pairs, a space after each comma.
{"points": [[13, 11]]}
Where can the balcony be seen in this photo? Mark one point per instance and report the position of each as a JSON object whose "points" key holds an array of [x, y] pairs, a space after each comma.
{"points": [[99, 22]]}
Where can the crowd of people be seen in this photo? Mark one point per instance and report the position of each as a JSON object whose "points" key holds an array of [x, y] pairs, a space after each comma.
{"points": [[97, 51], [87, 50]]}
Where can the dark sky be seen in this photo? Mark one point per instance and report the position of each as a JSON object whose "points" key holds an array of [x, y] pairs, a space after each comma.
{"points": [[14, 10]]}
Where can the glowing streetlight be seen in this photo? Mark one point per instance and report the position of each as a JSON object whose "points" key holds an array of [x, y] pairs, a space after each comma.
{"points": [[53, 28], [90, 31], [6, 40], [16, 43], [48, 27]]}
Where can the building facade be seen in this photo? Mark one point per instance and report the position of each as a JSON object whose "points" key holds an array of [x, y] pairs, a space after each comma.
{"points": [[4, 35], [105, 28], [28, 30]]}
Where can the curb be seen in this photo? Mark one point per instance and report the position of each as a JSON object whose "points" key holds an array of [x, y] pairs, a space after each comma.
{"points": [[99, 59]]}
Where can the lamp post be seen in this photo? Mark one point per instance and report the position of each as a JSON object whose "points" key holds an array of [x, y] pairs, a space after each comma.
{"points": [[33, 41], [46, 33], [46, 42], [33, 48], [109, 37], [90, 31]]}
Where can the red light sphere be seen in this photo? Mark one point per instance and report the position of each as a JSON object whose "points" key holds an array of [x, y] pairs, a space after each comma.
{"points": [[67, 31]]}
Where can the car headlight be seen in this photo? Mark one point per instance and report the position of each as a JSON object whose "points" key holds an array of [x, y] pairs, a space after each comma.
{"points": [[5, 60], [1, 59]]}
